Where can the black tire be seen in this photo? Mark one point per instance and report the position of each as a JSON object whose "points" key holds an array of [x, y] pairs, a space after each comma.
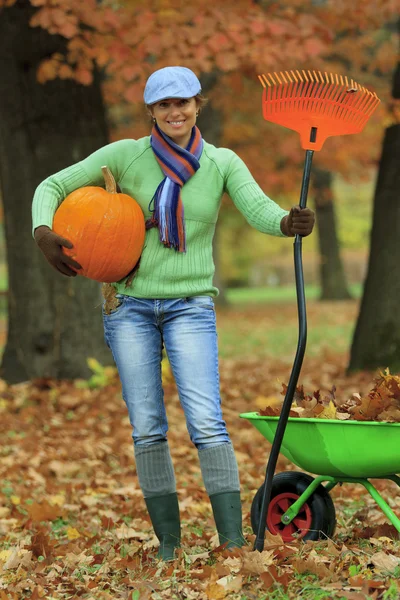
{"points": [[323, 515]]}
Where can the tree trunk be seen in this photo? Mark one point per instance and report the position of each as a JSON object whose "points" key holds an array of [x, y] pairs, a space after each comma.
{"points": [[54, 321], [210, 125], [332, 275], [376, 341]]}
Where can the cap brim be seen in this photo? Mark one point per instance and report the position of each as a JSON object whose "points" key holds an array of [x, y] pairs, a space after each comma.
{"points": [[172, 97]]}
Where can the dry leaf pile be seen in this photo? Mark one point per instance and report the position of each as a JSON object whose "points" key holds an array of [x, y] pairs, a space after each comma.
{"points": [[381, 403]]}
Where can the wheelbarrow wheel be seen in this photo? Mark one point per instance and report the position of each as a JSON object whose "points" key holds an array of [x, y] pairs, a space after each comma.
{"points": [[316, 519]]}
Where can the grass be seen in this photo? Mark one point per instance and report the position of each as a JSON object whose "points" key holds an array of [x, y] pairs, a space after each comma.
{"points": [[279, 294], [3, 277], [282, 341], [263, 322]]}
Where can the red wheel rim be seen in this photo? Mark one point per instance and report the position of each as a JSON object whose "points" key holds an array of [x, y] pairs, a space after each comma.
{"points": [[301, 523]]}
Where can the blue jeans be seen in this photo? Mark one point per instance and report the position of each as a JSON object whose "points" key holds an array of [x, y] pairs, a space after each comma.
{"points": [[136, 332]]}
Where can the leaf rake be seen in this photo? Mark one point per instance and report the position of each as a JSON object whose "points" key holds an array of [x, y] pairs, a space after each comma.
{"points": [[317, 105]]}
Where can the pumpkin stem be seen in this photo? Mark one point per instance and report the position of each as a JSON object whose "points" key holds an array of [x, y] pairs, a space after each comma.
{"points": [[111, 186]]}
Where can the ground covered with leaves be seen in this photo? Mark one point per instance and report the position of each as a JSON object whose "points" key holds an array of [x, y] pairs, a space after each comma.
{"points": [[73, 523]]}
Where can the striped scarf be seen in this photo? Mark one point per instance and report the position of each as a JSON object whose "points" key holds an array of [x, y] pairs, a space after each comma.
{"points": [[178, 165]]}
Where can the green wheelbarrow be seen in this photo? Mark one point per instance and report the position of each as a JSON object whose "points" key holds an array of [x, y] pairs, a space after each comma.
{"points": [[338, 452], [316, 105]]}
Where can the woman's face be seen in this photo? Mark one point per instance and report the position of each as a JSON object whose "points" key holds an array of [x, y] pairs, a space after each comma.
{"points": [[176, 118]]}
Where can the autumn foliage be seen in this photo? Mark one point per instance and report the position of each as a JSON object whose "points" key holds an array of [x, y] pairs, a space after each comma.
{"points": [[238, 40], [74, 522], [132, 39], [381, 403]]}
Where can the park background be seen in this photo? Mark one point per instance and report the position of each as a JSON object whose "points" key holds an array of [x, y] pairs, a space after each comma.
{"points": [[73, 78]]}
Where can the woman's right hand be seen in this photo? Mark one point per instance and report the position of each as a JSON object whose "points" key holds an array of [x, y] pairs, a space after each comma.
{"points": [[51, 245]]}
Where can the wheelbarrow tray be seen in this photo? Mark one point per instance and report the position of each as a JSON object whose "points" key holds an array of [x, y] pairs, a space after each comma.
{"points": [[337, 448]]}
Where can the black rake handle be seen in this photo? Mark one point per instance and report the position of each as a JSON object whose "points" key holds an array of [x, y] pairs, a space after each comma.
{"points": [[298, 361]]}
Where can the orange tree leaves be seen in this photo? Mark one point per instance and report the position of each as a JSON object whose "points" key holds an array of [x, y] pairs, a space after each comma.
{"points": [[132, 39], [382, 403]]}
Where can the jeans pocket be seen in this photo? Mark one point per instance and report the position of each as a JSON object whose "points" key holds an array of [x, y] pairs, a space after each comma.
{"points": [[200, 302], [113, 306]]}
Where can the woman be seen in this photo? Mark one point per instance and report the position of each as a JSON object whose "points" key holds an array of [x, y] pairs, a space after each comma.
{"points": [[178, 179]]}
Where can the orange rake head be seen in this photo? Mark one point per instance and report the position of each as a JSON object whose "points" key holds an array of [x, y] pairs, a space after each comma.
{"points": [[316, 105]]}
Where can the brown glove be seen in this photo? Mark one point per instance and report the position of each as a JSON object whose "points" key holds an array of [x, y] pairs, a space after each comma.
{"points": [[51, 245], [298, 221]]}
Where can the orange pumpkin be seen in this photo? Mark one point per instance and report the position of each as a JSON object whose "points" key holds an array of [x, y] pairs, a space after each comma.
{"points": [[107, 230]]}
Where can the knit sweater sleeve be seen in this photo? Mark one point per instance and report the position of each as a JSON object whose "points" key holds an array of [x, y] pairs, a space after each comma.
{"points": [[52, 191], [260, 211]]}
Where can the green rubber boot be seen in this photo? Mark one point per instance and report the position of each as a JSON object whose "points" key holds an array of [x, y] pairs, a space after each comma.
{"points": [[227, 510], [164, 515]]}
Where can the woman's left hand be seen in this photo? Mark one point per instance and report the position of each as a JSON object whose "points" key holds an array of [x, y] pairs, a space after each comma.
{"points": [[298, 221]]}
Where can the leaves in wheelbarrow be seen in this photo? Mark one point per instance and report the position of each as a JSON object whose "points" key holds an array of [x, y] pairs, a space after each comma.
{"points": [[382, 403]]}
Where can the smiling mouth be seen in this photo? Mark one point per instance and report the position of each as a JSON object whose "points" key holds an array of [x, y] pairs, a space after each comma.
{"points": [[175, 123]]}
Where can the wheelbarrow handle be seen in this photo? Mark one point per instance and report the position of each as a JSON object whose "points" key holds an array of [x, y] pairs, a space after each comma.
{"points": [[297, 364]]}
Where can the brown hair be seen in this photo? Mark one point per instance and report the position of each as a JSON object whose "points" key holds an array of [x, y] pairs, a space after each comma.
{"points": [[201, 101]]}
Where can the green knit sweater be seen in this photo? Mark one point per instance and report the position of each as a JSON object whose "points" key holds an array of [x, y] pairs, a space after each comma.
{"points": [[163, 272]]}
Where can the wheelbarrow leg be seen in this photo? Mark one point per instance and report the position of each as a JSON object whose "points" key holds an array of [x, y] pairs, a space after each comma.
{"points": [[383, 505]]}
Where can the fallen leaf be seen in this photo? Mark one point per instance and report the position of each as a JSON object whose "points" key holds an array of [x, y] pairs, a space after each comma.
{"points": [[44, 511], [257, 562], [386, 562]]}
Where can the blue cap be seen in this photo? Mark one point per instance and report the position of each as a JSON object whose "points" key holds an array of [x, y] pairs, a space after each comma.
{"points": [[171, 82]]}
